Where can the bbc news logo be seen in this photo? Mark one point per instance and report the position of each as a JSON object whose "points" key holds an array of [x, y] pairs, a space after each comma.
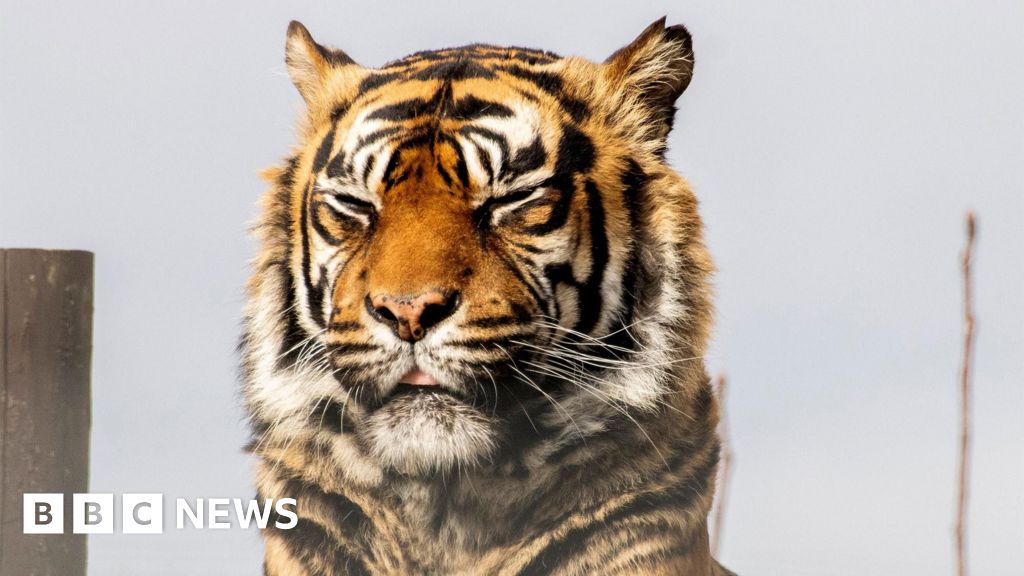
{"points": [[144, 513]]}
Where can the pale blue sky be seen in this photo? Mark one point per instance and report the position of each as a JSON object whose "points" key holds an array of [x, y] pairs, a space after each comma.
{"points": [[834, 147]]}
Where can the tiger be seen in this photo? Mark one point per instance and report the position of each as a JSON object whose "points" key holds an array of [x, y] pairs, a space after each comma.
{"points": [[476, 323]]}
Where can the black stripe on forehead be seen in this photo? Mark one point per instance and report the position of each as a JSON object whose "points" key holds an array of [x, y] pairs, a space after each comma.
{"points": [[461, 170], [371, 162], [338, 167], [374, 81], [442, 104], [489, 135], [459, 69], [426, 138], [376, 136], [389, 179], [423, 137], [484, 157], [404, 110], [477, 51], [323, 151], [343, 164], [554, 85], [526, 160], [470, 107]]}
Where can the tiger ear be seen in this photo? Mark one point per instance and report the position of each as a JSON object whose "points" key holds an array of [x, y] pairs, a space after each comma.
{"points": [[310, 65], [648, 76]]}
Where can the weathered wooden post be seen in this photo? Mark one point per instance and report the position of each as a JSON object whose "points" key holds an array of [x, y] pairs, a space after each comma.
{"points": [[45, 350]]}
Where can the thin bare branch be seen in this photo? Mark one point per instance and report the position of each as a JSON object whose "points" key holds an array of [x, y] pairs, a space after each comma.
{"points": [[965, 401], [724, 466]]}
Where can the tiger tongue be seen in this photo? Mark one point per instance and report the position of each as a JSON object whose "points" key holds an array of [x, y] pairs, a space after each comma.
{"points": [[418, 377]]}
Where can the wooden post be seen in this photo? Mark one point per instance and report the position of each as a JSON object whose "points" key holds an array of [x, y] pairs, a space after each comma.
{"points": [[45, 356], [964, 464]]}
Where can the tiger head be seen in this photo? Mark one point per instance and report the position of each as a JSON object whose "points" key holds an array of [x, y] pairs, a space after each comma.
{"points": [[475, 249]]}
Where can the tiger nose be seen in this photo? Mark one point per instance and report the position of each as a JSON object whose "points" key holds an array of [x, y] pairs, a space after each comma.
{"points": [[412, 316]]}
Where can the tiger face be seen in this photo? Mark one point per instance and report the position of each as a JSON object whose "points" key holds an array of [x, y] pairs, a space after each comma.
{"points": [[466, 241]]}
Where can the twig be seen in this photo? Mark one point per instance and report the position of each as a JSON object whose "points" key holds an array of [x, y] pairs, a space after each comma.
{"points": [[965, 401], [724, 466]]}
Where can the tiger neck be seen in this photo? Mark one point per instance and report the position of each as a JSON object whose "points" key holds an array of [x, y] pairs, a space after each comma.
{"points": [[507, 502]]}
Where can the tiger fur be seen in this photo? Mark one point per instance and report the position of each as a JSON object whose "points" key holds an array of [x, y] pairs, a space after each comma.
{"points": [[568, 425]]}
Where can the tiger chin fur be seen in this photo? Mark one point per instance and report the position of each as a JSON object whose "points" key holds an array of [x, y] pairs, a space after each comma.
{"points": [[502, 223]]}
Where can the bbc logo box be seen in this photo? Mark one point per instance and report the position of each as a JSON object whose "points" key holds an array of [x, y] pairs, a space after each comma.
{"points": [[43, 513], [92, 513]]}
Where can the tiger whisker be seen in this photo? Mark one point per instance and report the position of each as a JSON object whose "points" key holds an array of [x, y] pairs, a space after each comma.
{"points": [[596, 393], [554, 323], [291, 439], [302, 343], [529, 382], [601, 362]]}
